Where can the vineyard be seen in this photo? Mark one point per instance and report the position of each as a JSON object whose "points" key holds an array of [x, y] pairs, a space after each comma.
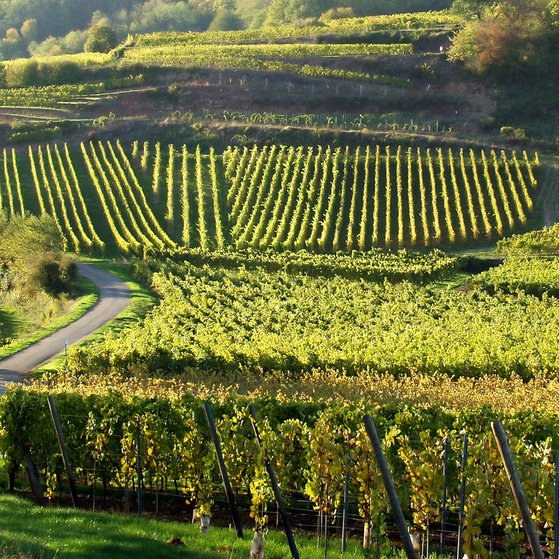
{"points": [[321, 199], [269, 57], [420, 22], [292, 195], [240, 315], [317, 449]]}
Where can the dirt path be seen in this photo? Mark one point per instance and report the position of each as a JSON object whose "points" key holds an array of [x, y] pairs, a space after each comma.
{"points": [[114, 297]]}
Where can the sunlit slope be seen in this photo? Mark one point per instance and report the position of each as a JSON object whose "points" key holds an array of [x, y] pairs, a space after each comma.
{"points": [[153, 196]]}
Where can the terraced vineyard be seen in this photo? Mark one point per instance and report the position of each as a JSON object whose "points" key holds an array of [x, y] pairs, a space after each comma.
{"points": [[286, 198]]}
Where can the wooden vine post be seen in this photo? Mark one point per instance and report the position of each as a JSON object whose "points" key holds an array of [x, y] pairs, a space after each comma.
{"points": [[462, 496], [223, 470], [62, 444], [33, 474], [445, 488], [556, 510], [516, 486], [390, 489], [275, 487], [139, 466]]}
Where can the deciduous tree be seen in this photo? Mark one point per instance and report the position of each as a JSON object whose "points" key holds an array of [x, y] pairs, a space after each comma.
{"points": [[101, 38], [510, 37]]}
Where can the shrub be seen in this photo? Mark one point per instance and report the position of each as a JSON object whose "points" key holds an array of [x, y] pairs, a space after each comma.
{"points": [[52, 274], [29, 72], [57, 73], [337, 13], [506, 131]]}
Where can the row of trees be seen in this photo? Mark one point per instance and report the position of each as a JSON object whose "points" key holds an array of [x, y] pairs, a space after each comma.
{"points": [[292, 11], [53, 27]]}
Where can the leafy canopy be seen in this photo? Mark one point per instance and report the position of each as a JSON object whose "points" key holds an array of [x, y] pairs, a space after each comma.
{"points": [[508, 38]]}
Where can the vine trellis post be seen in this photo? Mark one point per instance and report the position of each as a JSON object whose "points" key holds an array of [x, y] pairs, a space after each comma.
{"points": [[390, 488], [223, 470], [63, 449], [275, 487], [517, 491], [445, 487], [139, 467], [462, 495], [346, 501], [556, 512]]}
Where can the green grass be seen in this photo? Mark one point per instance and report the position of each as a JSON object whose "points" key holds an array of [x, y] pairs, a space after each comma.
{"points": [[29, 531]]}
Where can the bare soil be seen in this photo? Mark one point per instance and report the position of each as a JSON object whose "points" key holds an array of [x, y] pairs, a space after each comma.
{"points": [[438, 101]]}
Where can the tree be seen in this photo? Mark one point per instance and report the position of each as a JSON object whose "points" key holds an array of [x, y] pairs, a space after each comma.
{"points": [[158, 15], [469, 8], [29, 29], [13, 45], [31, 255], [100, 38], [73, 42], [225, 20], [510, 37], [281, 12], [228, 5], [49, 47]]}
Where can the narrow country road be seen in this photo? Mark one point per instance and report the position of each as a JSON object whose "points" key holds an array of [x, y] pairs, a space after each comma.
{"points": [[114, 297]]}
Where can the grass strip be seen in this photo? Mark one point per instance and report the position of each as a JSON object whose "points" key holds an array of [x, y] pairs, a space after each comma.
{"points": [[82, 305], [30, 531]]}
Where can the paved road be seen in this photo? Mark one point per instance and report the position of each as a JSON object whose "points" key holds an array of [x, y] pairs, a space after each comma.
{"points": [[114, 297]]}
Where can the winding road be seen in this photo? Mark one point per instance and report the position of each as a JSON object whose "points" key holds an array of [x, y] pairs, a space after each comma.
{"points": [[114, 298]]}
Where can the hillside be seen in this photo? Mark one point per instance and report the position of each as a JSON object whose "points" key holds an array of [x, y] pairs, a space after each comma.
{"points": [[307, 203], [359, 80], [350, 83]]}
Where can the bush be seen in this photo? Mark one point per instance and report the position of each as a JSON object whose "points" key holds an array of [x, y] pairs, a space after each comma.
{"points": [[52, 274], [506, 131], [337, 13], [58, 73], [29, 72]]}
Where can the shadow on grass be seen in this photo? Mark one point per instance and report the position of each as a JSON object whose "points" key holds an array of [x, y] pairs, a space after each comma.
{"points": [[31, 531], [7, 326]]}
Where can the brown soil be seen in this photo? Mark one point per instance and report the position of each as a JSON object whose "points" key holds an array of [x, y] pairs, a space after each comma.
{"points": [[438, 101]]}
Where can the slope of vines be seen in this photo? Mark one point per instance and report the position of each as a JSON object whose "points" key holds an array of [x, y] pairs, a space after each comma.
{"points": [[313, 447], [256, 319], [318, 199]]}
